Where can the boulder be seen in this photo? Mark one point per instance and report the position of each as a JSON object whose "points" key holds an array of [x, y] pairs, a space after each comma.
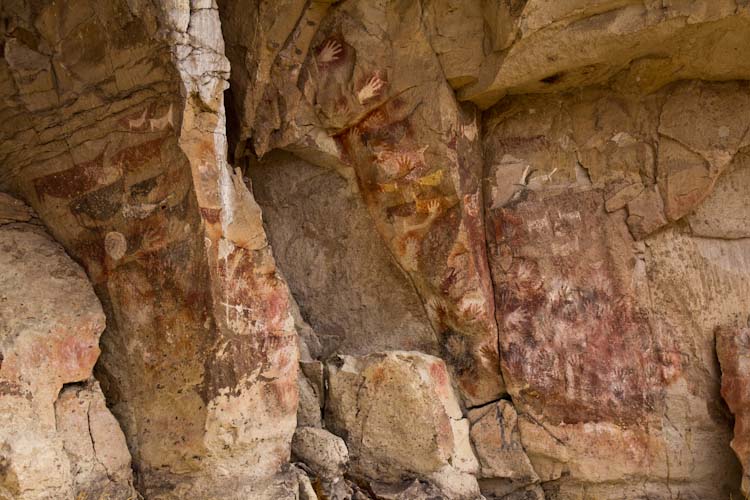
{"points": [[399, 416], [505, 467], [57, 439], [324, 453]]}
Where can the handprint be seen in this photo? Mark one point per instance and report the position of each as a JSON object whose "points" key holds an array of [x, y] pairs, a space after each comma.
{"points": [[433, 206], [472, 309], [515, 319], [330, 52], [370, 89], [404, 163]]}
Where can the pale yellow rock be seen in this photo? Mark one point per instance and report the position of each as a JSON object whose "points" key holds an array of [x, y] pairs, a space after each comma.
{"points": [[400, 416], [323, 452], [56, 440]]}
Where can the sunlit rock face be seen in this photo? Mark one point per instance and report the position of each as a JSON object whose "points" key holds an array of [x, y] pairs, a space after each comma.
{"points": [[114, 132], [57, 437], [389, 249]]}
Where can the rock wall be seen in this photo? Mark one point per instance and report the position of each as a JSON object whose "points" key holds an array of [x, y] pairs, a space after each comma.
{"points": [[57, 437], [114, 132], [389, 249]]}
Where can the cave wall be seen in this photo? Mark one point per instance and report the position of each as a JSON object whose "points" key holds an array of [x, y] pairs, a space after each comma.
{"points": [[396, 248]]}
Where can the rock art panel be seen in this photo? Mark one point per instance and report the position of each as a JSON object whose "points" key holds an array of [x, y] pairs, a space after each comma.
{"points": [[564, 287], [360, 106], [564, 204], [128, 168], [515, 234]]}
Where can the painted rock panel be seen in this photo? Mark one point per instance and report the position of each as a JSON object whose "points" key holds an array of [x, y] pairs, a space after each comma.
{"points": [[123, 155], [606, 341], [338, 94], [575, 345]]}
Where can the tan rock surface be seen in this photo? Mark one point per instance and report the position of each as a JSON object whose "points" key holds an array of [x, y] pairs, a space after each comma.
{"points": [[733, 349], [607, 341], [399, 416], [511, 230], [505, 468], [114, 131], [56, 440]]}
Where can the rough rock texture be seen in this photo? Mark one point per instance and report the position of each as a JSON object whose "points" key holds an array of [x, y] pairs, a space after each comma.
{"points": [[56, 440], [733, 349], [516, 237], [325, 453], [504, 466], [322, 235], [400, 416], [113, 129], [600, 343], [333, 93]]}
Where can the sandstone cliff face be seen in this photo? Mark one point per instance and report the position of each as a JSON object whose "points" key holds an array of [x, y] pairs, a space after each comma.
{"points": [[57, 437], [388, 249]]}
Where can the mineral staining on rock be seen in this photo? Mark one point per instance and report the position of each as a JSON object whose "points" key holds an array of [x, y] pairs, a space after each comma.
{"points": [[408, 147], [130, 173], [425, 249], [57, 438], [400, 416], [733, 348]]}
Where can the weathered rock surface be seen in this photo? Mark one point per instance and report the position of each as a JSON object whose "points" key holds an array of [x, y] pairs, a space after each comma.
{"points": [[323, 452], [56, 440], [113, 129], [332, 92], [346, 282], [504, 466], [601, 344], [733, 349], [515, 236], [543, 46], [400, 417], [94, 443]]}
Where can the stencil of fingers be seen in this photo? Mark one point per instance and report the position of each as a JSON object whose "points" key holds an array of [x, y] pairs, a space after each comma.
{"points": [[266, 284], [472, 309], [516, 319], [370, 89], [575, 360], [353, 134], [404, 163], [330, 52], [153, 237], [436, 307], [433, 206]]}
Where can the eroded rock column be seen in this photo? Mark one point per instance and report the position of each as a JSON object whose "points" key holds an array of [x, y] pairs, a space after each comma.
{"points": [[114, 132]]}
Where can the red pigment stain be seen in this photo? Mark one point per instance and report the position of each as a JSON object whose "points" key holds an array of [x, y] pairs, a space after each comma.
{"points": [[438, 373], [572, 338], [72, 182]]}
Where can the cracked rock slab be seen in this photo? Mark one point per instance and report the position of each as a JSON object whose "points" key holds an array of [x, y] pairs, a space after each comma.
{"points": [[53, 443], [399, 416]]}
